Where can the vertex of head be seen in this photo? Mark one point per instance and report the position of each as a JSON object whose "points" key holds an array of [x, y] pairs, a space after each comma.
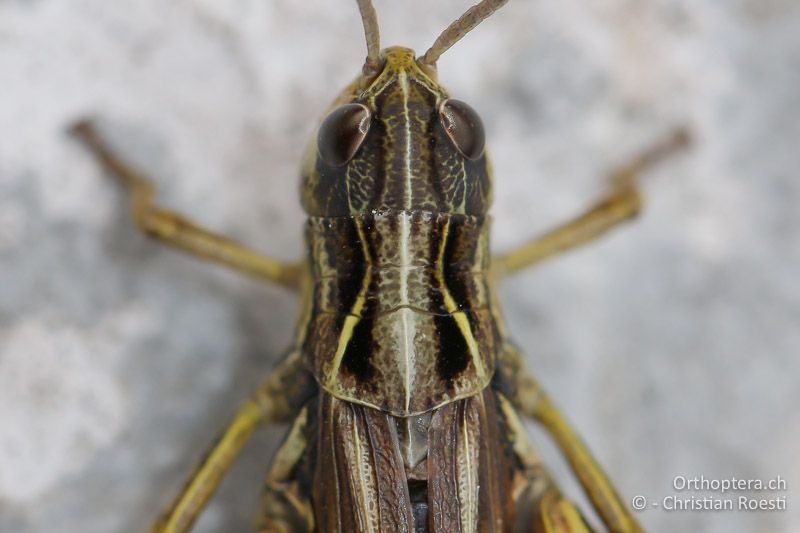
{"points": [[394, 61]]}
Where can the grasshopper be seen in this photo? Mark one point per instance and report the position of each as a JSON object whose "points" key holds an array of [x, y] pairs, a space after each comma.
{"points": [[403, 390]]}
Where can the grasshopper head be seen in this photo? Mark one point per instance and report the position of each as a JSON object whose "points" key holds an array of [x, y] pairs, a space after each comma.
{"points": [[394, 140]]}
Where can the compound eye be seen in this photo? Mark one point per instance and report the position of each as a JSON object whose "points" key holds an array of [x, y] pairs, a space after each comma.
{"points": [[464, 127], [342, 133]]}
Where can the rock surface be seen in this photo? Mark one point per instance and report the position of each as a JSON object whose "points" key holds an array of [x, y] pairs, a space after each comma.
{"points": [[672, 344]]}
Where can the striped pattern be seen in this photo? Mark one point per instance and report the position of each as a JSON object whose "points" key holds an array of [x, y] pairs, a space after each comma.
{"points": [[400, 319], [469, 487], [361, 482]]}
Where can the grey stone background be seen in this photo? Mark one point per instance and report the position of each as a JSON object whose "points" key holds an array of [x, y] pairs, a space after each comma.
{"points": [[672, 344]]}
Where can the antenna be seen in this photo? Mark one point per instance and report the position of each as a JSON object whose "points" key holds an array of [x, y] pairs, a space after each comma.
{"points": [[458, 29], [371, 31]]}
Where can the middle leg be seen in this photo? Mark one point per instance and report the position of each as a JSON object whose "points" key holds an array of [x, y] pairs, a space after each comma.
{"points": [[529, 399], [277, 400], [539, 505], [286, 504]]}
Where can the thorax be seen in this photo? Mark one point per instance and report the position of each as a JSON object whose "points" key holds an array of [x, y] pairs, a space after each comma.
{"points": [[400, 315]]}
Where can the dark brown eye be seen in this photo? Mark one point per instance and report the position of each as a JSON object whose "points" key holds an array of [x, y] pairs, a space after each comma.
{"points": [[464, 127], [342, 133]]}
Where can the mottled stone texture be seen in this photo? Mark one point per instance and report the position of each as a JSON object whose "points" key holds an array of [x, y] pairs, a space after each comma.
{"points": [[673, 344]]}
